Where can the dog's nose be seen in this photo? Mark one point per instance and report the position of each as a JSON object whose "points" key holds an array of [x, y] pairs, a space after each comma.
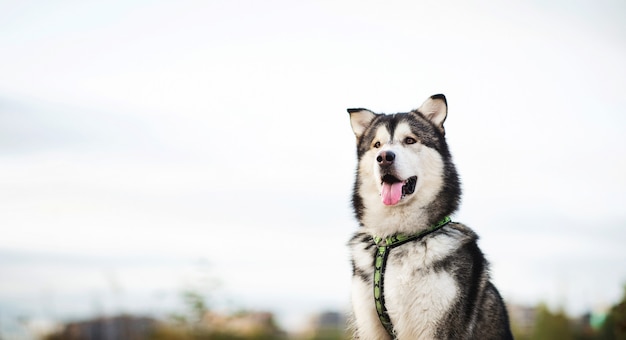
{"points": [[385, 158]]}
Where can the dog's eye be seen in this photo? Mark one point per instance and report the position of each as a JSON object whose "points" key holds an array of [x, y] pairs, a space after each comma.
{"points": [[410, 140], [377, 145]]}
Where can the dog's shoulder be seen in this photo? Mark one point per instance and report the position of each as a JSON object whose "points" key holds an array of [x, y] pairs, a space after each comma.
{"points": [[459, 232], [362, 248], [360, 237]]}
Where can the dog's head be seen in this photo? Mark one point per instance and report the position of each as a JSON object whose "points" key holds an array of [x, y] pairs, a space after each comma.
{"points": [[403, 157]]}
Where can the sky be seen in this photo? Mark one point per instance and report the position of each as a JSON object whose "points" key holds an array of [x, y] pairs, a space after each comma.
{"points": [[149, 147]]}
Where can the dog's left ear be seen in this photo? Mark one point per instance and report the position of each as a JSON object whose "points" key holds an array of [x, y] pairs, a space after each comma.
{"points": [[435, 109]]}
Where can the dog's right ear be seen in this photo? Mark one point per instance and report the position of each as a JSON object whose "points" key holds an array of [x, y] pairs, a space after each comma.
{"points": [[360, 119]]}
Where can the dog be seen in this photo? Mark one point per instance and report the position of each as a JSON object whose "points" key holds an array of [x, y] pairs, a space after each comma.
{"points": [[415, 273]]}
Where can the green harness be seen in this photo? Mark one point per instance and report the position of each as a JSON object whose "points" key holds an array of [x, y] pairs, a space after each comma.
{"points": [[384, 247]]}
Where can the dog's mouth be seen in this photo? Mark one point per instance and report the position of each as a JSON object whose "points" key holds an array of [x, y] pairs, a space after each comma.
{"points": [[393, 189]]}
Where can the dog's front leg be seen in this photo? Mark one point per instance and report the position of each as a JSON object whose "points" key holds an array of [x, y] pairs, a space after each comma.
{"points": [[366, 324]]}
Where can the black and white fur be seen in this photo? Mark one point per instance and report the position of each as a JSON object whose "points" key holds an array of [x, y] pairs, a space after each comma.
{"points": [[437, 287]]}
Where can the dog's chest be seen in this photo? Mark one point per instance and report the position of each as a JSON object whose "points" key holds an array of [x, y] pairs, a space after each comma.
{"points": [[417, 292]]}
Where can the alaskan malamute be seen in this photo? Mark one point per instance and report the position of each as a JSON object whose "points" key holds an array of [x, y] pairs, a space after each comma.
{"points": [[416, 274]]}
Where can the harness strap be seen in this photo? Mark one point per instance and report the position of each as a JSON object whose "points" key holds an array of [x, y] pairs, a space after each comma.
{"points": [[380, 264]]}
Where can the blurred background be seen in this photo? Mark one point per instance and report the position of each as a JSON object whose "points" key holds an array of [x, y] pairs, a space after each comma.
{"points": [[181, 170]]}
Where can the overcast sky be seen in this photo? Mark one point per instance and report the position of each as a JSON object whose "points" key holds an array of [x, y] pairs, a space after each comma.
{"points": [[147, 146]]}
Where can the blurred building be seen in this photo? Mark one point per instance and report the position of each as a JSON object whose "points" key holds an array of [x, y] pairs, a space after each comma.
{"points": [[522, 318], [123, 327], [327, 325], [244, 324]]}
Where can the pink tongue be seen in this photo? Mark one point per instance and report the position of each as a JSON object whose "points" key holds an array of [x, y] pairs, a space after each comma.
{"points": [[391, 193]]}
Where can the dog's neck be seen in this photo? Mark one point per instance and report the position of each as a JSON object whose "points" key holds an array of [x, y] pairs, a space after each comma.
{"points": [[401, 238], [384, 221]]}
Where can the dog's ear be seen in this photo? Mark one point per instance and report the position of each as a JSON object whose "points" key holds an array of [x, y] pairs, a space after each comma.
{"points": [[435, 109], [360, 119]]}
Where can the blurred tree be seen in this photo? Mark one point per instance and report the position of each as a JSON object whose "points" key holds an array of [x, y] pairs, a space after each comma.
{"points": [[614, 328], [551, 326], [518, 332], [196, 305], [195, 310]]}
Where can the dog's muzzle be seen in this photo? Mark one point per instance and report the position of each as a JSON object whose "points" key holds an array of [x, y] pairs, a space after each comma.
{"points": [[393, 189]]}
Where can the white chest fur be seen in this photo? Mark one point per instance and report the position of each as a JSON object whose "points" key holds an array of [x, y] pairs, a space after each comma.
{"points": [[417, 295]]}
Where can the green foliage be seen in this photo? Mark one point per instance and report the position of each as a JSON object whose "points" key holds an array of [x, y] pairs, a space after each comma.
{"points": [[549, 326], [195, 309], [519, 333], [614, 327]]}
